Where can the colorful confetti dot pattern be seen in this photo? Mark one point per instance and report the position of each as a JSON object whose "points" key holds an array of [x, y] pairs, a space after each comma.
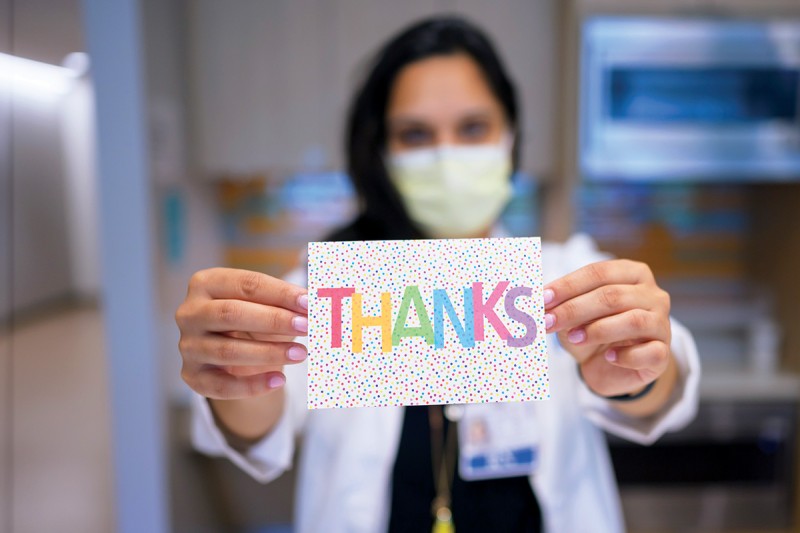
{"points": [[414, 372]]}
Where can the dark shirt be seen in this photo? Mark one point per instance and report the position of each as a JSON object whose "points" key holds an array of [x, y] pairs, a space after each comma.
{"points": [[505, 504]]}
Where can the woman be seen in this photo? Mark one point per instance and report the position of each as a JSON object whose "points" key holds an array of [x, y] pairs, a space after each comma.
{"points": [[432, 142]]}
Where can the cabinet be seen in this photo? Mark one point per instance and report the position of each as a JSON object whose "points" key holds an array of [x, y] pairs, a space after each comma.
{"points": [[756, 5], [270, 81], [671, 7], [731, 469]]}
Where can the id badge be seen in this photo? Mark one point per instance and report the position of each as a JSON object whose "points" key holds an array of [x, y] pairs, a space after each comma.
{"points": [[496, 440]]}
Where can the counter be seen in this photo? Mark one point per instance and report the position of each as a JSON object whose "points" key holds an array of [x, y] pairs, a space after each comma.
{"points": [[746, 386]]}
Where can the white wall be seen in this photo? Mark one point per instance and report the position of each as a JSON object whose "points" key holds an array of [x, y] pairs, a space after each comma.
{"points": [[40, 246], [47, 30], [271, 80], [51, 251], [80, 177], [6, 362], [173, 178]]}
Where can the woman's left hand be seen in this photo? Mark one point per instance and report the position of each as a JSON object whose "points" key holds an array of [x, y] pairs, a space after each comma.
{"points": [[614, 320]]}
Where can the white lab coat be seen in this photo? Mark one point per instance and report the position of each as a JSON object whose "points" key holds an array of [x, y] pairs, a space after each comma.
{"points": [[348, 454]]}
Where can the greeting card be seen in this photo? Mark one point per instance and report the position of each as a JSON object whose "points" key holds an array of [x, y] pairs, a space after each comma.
{"points": [[419, 322]]}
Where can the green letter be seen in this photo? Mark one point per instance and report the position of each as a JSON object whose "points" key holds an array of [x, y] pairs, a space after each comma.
{"points": [[412, 295]]}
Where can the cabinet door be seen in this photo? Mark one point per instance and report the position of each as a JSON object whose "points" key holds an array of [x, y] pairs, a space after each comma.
{"points": [[357, 29], [258, 83], [271, 81], [757, 7], [678, 7], [526, 33], [639, 6]]}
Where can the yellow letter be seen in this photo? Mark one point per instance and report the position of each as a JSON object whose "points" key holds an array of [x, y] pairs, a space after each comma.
{"points": [[384, 320]]}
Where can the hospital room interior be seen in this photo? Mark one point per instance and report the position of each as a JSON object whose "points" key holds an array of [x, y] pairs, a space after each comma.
{"points": [[144, 140]]}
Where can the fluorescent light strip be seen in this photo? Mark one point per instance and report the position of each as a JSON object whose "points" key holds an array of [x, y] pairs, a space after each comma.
{"points": [[24, 75]]}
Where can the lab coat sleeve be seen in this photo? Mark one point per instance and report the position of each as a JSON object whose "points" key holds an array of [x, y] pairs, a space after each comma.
{"points": [[264, 461], [679, 410], [579, 251], [273, 454]]}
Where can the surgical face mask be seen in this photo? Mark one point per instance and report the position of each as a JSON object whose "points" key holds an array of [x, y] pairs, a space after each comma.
{"points": [[453, 191]]}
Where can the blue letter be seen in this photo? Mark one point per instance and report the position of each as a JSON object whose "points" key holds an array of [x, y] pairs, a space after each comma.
{"points": [[465, 332]]}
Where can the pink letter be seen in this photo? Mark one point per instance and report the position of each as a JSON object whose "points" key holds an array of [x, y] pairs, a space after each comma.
{"points": [[482, 309], [336, 296]]}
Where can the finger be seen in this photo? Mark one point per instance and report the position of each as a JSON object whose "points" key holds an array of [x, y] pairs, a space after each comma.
{"points": [[580, 352], [217, 384], [222, 350], [609, 380], [238, 315], [231, 283], [603, 301], [636, 324], [243, 371], [593, 276], [649, 358], [260, 336]]}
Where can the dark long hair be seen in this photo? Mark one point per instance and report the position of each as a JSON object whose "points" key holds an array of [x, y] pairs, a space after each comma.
{"points": [[381, 212]]}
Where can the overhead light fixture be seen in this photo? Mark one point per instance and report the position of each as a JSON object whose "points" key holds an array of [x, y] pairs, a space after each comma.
{"points": [[22, 75]]}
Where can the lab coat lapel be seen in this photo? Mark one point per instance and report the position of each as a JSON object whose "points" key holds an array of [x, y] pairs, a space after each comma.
{"points": [[372, 448]]}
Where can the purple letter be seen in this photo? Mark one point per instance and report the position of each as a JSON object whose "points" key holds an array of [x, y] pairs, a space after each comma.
{"points": [[524, 318]]}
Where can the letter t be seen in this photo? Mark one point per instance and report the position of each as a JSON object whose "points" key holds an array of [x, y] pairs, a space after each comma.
{"points": [[336, 296]]}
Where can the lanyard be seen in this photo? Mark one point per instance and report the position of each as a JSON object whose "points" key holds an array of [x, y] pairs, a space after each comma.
{"points": [[443, 457]]}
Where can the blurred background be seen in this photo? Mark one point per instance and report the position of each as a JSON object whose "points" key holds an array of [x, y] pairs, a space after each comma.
{"points": [[142, 140]]}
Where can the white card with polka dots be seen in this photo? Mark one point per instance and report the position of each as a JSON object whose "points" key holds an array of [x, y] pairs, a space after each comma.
{"points": [[420, 322]]}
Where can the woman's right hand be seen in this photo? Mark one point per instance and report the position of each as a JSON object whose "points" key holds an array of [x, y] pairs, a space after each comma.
{"points": [[236, 332]]}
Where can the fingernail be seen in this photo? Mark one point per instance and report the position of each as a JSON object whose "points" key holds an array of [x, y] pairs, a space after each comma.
{"points": [[296, 353], [548, 296], [302, 301], [611, 356], [300, 323], [275, 382], [549, 321], [576, 336]]}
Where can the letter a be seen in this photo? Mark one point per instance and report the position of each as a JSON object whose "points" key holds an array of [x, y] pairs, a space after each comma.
{"points": [[424, 330]]}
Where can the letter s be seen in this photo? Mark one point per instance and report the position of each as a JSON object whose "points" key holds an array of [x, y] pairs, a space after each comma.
{"points": [[520, 316]]}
